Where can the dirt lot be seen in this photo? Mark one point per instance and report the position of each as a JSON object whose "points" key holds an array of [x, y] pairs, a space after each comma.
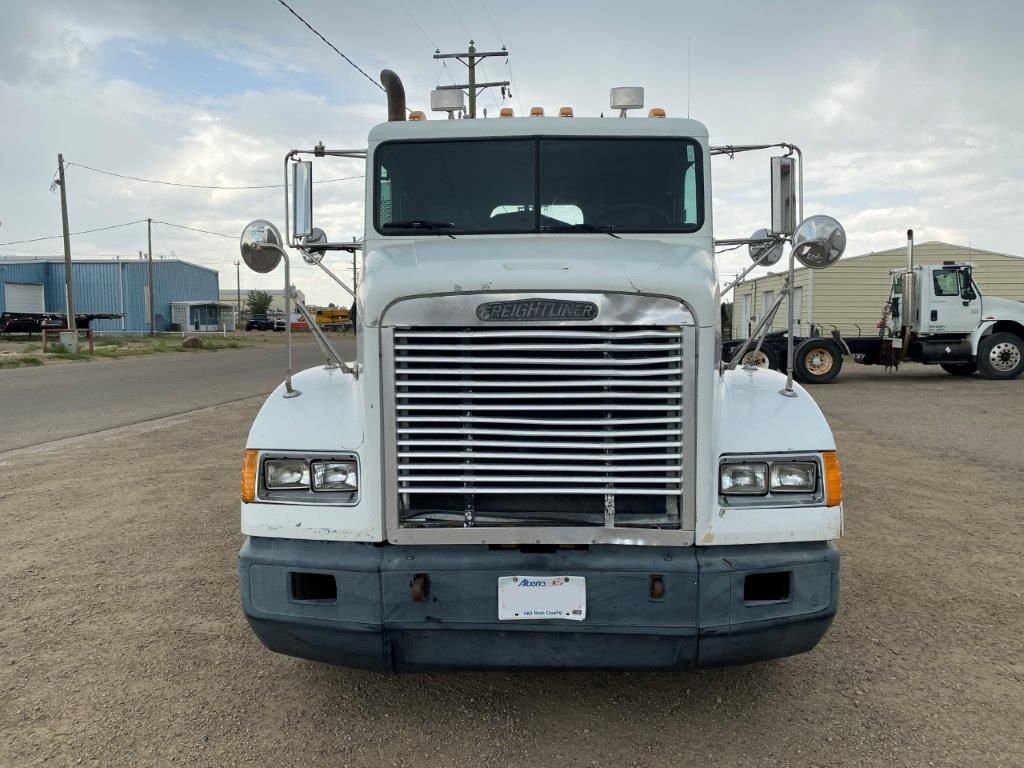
{"points": [[122, 642]]}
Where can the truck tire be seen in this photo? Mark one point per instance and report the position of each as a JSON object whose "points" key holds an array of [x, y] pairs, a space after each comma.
{"points": [[766, 357], [1001, 356], [817, 361], [959, 369]]}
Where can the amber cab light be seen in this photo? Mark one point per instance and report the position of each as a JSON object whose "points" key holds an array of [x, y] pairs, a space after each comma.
{"points": [[833, 479], [250, 466]]}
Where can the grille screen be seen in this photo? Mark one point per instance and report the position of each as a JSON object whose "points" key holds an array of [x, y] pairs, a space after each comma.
{"points": [[539, 425]]}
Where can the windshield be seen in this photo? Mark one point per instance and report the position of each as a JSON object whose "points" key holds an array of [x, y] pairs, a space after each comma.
{"points": [[496, 186]]}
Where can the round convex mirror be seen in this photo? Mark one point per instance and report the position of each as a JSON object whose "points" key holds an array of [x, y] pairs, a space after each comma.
{"points": [[310, 253], [819, 241], [764, 254], [261, 246]]}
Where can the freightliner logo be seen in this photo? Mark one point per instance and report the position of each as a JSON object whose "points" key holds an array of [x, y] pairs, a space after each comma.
{"points": [[532, 310]]}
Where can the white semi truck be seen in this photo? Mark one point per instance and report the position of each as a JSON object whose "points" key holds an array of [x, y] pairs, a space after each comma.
{"points": [[537, 458]]}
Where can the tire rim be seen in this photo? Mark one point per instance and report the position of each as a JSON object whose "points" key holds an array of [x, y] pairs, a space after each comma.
{"points": [[818, 361], [1004, 356], [757, 359]]}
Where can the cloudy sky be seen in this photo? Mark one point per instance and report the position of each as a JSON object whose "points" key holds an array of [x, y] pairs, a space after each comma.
{"points": [[909, 113]]}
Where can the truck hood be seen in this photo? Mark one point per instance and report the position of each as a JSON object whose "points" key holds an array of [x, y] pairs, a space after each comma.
{"points": [[995, 308], [577, 263]]}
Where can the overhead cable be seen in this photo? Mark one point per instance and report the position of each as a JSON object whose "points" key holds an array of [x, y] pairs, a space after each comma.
{"points": [[197, 186]]}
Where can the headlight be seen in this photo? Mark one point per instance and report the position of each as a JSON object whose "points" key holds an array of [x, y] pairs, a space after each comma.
{"points": [[794, 477], [744, 479], [335, 476], [286, 474]]}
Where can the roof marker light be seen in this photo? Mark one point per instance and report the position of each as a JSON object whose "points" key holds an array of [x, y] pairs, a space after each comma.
{"points": [[536, 111], [656, 112], [506, 112], [565, 112], [417, 115]]}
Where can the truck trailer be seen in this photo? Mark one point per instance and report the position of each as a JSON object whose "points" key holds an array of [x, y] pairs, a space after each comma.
{"points": [[537, 458]]}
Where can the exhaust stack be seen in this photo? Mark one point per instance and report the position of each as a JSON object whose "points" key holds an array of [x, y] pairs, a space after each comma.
{"points": [[396, 95]]}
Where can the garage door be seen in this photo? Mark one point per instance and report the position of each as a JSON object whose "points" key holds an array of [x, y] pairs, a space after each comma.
{"points": [[24, 297]]}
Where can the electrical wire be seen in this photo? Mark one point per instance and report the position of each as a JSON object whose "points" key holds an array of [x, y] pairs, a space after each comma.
{"points": [[197, 186], [491, 19], [70, 234], [331, 45], [195, 229], [418, 26]]}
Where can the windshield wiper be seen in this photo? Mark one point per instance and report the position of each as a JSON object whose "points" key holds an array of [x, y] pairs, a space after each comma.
{"points": [[418, 224], [605, 228]]}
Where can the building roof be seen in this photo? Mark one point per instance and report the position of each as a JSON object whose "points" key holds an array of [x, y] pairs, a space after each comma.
{"points": [[75, 262], [890, 252], [202, 303]]}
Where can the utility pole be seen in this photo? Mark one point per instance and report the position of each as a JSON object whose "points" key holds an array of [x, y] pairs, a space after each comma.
{"points": [[68, 276], [471, 58], [152, 306], [238, 288]]}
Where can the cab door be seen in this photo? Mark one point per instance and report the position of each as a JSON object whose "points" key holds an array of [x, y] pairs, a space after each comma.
{"points": [[953, 304]]}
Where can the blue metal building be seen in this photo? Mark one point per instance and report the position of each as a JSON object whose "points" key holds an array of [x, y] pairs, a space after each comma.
{"points": [[109, 286]]}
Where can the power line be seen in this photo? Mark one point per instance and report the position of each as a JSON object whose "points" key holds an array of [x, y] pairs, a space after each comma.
{"points": [[331, 45], [457, 16], [491, 19], [83, 232], [418, 26], [197, 186], [195, 229]]}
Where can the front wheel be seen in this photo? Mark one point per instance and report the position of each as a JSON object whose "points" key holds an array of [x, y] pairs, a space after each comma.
{"points": [[959, 369], [817, 361], [764, 357], [1001, 356]]}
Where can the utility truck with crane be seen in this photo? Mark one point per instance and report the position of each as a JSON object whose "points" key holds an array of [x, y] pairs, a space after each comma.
{"points": [[935, 315], [537, 457]]}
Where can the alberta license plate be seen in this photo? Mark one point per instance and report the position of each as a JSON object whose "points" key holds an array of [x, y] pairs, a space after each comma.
{"points": [[542, 597]]}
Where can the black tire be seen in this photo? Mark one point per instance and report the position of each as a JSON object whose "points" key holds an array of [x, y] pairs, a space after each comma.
{"points": [[817, 361], [767, 358], [1001, 356], [959, 369]]}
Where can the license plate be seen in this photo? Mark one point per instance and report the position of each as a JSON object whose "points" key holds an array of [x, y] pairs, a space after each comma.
{"points": [[542, 597]]}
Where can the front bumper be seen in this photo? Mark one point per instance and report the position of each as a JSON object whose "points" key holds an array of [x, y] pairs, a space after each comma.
{"points": [[703, 618]]}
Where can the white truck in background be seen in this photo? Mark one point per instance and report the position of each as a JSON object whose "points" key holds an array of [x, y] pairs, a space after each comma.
{"points": [[537, 458], [935, 315]]}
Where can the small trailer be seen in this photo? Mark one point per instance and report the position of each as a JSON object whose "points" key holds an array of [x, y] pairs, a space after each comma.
{"points": [[935, 315], [37, 322]]}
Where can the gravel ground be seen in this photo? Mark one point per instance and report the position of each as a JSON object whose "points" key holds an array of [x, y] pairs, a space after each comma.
{"points": [[122, 642]]}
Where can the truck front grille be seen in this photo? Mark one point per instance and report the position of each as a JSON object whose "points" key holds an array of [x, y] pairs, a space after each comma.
{"points": [[546, 425]]}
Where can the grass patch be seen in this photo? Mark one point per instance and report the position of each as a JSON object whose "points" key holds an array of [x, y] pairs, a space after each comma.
{"points": [[32, 348], [68, 355], [19, 361]]}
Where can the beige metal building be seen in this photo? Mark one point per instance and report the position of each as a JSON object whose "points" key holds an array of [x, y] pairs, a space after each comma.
{"points": [[230, 296], [850, 294]]}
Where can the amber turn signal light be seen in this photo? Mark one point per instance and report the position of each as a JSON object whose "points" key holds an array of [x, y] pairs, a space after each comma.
{"points": [[250, 465], [833, 479]]}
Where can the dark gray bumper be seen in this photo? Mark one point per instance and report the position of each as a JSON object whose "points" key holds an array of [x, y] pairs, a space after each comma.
{"points": [[703, 618]]}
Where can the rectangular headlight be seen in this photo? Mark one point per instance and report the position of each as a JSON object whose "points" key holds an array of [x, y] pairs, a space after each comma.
{"points": [[746, 479], [286, 474], [794, 477], [335, 476]]}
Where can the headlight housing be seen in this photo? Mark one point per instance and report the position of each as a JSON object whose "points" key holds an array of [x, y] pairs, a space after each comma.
{"points": [[771, 480], [306, 478]]}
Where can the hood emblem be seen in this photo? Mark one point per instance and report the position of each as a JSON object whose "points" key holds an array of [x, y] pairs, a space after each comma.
{"points": [[536, 310]]}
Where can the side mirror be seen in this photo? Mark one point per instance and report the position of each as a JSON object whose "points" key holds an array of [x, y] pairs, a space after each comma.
{"points": [[302, 198], [819, 241], [967, 292], [783, 195], [764, 254], [261, 245]]}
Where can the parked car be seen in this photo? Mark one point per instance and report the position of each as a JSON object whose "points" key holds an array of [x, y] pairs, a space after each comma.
{"points": [[260, 323], [279, 325]]}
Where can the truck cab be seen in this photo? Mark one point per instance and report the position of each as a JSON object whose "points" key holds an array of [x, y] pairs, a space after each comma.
{"points": [[537, 458], [940, 314]]}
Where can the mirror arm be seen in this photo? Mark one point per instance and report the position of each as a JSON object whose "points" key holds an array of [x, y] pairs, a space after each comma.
{"points": [[760, 330], [789, 391], [333, 358], [745, 272]]}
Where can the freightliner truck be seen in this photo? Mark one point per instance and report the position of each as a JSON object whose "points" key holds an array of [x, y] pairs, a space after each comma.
{"points": [[537, 457], [935, 315]]}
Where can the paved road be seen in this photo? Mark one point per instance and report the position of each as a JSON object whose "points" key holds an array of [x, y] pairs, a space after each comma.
{"points": [[38, 405]]}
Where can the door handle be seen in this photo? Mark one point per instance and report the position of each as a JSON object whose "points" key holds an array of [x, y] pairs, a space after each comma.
{"points": [[935, 315]]}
